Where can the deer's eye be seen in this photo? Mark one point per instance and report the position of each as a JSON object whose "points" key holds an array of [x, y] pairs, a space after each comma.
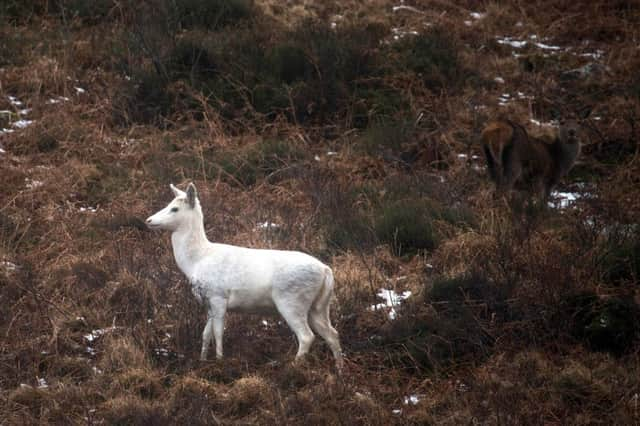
{"points": [[174, 209]]}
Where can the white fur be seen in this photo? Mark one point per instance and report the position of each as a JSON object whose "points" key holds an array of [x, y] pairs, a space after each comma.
{"points": [[234, 278]]}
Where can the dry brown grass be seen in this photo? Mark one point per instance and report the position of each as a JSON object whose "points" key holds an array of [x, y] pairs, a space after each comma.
{"points": [[521, 349]]}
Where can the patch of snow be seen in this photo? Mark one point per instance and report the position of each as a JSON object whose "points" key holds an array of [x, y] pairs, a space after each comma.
{"points": [[563, 200], [87, 209], [399, 33], [32, 183], [462, 156], [396, 411], [411, 400], [391, 300], [510, 41], [598, 54], [477, 15], [267, 225], [161, 351], [15, 101], [468, 23], [499, 80], [504, 99], [97, 333], [9, 266], [24, 111], [547, 47], [96, 370], [21, 124], [407, 8], [79, 90], [57, 100], [317, 158], [331, 153], [461, 387], [552, 123], [42, 383]]}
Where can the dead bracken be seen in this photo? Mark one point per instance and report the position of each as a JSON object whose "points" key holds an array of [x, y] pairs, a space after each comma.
{"points": [[350, 131]]}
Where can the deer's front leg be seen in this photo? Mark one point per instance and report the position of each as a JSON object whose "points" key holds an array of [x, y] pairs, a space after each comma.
{"points": [[217, 311], [218, 331], [207, 335]]}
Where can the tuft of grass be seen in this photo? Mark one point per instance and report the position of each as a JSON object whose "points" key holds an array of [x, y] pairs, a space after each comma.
{"points": [[271, 159], [145, 98], [142, 383], [621, 262], [434, 57], [210, 14], [408, 225], [428, 341], [122, 353], [192, 61], [194, 400], [248, 392], [609, 325], [385, 135], [131, 300], [576, 386], [131, 410]]}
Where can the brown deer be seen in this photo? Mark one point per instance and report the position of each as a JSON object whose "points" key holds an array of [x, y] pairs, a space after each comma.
{"points": [[517, 160]]}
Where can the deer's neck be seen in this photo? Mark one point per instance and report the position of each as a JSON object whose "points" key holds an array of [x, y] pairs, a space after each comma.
{"points": [[568, 153], [189, 244]]}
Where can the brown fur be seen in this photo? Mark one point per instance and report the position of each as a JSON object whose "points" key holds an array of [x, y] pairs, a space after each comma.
{"points": [[517, 160]]}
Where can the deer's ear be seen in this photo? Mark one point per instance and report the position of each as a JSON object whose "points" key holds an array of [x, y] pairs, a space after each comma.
{"points": [[176, 191], [192, 195]]}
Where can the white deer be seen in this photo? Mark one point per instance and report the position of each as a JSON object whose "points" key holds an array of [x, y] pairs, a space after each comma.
{"points": [[231, 278]]}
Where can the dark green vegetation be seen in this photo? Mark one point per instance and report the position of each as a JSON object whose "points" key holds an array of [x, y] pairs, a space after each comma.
{"points": [[345, 130]]}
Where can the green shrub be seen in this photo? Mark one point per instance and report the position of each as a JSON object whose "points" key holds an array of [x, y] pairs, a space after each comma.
{"points": [[457, 289], [425, 340], [22, 10], [432, 55], [289, 63], [609, 325], [376, 103], [210, 14], [576, 386], [347, 224], [385, 134], [407, 225], [143, 99], [449, 325], [192, 61], [90, 11], [621, 262], [272, 159]]}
